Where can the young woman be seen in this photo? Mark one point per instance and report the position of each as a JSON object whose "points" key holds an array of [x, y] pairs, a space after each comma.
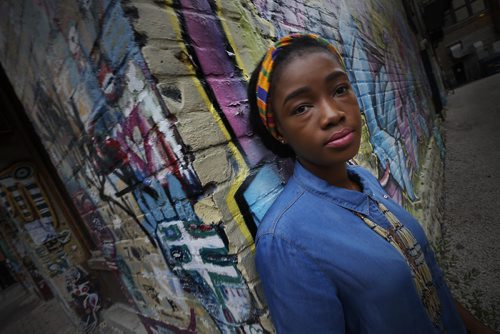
{"points": [[334, 253]]}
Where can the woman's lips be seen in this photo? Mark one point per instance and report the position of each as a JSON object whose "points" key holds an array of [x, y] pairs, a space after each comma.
{"points": [[341, 138]]}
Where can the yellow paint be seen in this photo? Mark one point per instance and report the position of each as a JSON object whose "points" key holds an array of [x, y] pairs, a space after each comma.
{"points": [[227, 31], [30, 211], [243, 170], [28, 202], [231, 41]]}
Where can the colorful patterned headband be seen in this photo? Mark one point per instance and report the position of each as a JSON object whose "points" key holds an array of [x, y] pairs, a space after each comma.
{"points": [[265, 73]]}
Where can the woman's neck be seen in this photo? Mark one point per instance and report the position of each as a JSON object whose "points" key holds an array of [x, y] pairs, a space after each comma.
{"points": [[336, 175]]}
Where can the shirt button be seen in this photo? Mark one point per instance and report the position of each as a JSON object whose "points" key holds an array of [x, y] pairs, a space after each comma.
{"points": [[386, 197]]}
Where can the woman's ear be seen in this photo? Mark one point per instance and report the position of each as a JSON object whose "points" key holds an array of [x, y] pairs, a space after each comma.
{"points": [[279, 135]]}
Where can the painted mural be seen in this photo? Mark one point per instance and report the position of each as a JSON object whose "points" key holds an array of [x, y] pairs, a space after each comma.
{"points": [[142, 109], [54, 253]]}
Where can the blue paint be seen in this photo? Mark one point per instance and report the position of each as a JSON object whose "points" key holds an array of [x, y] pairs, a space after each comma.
{"points": [[387, 148], [439, 141], [117, 37], [182, 205], [262, 192], [155, 210]]}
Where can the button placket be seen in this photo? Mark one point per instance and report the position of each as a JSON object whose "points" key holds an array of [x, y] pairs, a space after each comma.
{"points": [[376, 215]]}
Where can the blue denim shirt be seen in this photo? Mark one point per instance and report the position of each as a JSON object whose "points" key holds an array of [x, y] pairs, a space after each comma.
{"points": [[324, 271]]}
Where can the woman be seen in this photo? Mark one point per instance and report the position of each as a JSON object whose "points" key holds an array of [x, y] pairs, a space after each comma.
{"points": [[335, 254]]}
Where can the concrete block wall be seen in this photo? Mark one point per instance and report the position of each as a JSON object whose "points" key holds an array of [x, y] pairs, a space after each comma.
{"points": [[141, 105]]}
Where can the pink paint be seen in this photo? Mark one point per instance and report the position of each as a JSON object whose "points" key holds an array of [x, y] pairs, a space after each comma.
{"points": [[151, 153]]}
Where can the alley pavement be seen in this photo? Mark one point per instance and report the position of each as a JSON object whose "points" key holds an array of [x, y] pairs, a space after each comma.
{"points": [[22, 312], [472, 197]]}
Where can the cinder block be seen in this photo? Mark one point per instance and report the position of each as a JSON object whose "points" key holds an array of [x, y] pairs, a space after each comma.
{"points": [[290, 16], [313, 13], [207, 211], [212, 165], [183, 94], [166, 63], [220, 198], [154, 21], [125, 229], [87, 32], [123, 318], [232, 10], [199, 130]]}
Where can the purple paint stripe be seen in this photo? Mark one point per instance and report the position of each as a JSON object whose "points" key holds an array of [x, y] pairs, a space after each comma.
{"points": [[217, 67]]}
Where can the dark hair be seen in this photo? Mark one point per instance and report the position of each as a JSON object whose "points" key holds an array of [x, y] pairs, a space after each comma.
{"points": [[297, 48]]}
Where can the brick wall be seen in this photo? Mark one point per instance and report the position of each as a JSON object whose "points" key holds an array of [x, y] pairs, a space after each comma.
{"points": [[141, 105]]}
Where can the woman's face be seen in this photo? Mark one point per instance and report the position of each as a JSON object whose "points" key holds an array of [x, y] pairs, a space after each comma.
{"points": [[316, 110]]}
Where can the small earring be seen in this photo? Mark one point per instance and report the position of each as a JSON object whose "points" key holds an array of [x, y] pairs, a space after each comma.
{"points": [[282, 140]]}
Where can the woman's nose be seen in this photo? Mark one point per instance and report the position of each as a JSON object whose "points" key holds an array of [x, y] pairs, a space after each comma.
{"points": [[331, 114]]}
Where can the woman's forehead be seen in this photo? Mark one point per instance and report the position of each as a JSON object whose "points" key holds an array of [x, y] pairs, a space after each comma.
{"points": [[294, 60], [304, 66]]}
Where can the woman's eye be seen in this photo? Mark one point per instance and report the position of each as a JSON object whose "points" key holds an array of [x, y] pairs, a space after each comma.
{"points": [[300, 110], [341, 90]]}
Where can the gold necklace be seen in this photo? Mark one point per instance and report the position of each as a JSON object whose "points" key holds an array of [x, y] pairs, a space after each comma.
{"points": [[405, 243]]}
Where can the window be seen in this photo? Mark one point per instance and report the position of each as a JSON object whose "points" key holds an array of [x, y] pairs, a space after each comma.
{"points": [[461, 10]]}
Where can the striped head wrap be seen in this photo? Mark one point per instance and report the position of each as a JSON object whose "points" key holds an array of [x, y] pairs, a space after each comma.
{"points": [[263, 82]]}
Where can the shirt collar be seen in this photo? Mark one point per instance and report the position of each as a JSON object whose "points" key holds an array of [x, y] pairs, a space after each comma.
{"points": [[349, 199]]}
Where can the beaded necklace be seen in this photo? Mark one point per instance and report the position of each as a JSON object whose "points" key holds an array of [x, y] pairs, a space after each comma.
{"points": [[405, 243]]}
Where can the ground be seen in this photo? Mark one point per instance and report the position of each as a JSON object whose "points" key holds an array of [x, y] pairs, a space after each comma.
{"points": [[23, 312], [469, 252]]}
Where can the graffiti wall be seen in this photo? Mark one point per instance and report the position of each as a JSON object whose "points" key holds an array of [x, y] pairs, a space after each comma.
{"points": [[26, 201], [142, 108], [46, 245]]}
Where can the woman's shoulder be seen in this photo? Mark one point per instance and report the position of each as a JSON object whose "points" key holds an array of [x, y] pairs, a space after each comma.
{"points": [[285, 206], [281, 230]]}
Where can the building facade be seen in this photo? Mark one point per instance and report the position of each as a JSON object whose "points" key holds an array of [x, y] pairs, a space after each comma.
{"points": [[469, 45]]}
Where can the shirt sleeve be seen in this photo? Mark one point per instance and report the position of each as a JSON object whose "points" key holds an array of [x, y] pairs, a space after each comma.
{"points": [[301, 298]]}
